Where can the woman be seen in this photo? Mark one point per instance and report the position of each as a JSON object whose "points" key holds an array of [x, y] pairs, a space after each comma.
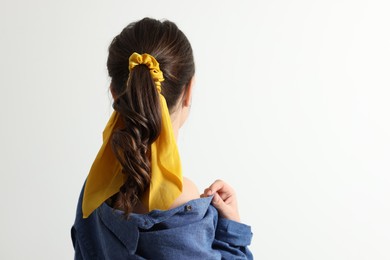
{"points": [[135, 203]]}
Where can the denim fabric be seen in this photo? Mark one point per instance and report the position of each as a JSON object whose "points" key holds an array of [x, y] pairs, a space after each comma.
{"points": [[190, 231]]}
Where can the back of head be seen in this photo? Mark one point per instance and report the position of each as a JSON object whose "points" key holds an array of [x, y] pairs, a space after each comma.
{"points": [[137, 100]]}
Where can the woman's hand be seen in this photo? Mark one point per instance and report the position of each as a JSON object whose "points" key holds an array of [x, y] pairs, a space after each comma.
{"points": [[225, 200]]}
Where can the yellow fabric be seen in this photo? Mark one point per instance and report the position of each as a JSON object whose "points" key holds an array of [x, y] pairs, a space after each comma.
{"points": [[105, 177]]}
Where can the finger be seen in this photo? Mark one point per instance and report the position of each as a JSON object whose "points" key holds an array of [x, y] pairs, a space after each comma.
{"points": [[225, 195], [207, 192], [214, 187], [218, 203], [217, 185], [204, 195]]}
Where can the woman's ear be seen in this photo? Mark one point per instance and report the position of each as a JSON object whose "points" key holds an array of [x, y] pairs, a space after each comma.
{"points": [[187, 99]]}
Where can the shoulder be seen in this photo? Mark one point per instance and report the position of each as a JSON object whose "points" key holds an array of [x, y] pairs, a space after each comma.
{"points": [[190, 192]]}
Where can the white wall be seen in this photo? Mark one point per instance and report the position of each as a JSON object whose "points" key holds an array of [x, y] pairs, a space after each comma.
{"points": [[291, 107]]}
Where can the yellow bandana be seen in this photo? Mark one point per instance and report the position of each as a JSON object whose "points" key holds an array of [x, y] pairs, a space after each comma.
{"points": [[105, 177]]}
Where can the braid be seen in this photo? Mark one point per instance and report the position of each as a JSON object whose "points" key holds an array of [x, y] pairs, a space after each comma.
{"points": [[131, 144]]}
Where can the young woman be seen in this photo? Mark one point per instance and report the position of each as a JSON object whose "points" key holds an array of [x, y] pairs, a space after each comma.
{"points": [[135, 203]]}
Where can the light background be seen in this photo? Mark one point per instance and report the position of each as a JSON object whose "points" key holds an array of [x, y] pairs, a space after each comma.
{"points": [[291, 107]]}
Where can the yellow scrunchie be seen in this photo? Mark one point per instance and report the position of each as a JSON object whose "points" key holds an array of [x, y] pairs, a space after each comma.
{"points": [[105, 177]]}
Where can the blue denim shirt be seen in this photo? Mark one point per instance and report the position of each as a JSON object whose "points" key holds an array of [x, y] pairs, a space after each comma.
{"points": [[190, 231]]}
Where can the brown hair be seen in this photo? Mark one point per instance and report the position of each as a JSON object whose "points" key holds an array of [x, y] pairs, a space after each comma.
{"points": [[136, 97]]}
